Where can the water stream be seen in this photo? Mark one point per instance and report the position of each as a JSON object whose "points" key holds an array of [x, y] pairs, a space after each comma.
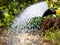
{"points": [[18, 28]]}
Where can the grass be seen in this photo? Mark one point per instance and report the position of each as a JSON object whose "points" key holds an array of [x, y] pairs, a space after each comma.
{"points": [[52, 36]]}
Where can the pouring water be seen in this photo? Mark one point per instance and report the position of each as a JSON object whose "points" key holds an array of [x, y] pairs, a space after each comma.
{"points": [[35, 10], [20, 23]]}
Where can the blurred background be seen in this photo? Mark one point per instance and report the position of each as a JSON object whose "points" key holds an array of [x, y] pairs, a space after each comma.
{"points": [[9, 9]]}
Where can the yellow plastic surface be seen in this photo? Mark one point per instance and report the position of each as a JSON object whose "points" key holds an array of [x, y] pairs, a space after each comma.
{"points": [[57, 11]]}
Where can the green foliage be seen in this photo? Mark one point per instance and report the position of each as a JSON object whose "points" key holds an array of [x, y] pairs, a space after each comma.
{"points": [[10, 8], [52, 36], [35, 23]]}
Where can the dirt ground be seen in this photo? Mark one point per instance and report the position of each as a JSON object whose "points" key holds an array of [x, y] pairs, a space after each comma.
{"points": [[23, 39]]}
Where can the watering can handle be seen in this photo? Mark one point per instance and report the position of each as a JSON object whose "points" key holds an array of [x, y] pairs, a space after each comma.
{"points": [[57, 11]]}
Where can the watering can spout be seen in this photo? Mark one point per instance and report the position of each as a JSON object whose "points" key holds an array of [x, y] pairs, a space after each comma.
{"points": [[48, 12]]}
